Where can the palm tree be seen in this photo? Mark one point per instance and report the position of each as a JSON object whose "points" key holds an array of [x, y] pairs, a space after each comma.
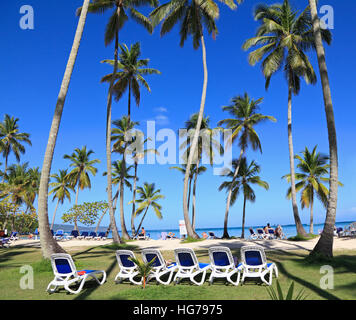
{"points": [[244, 118], [130, 74], [122, 134], [143, 269], [121, 176], [325, 243], [20, 186], [194, 173], [246, 177], [11, 139], [207, 144], [313, 166], [48, 244], [193, 15], [1, 172], [148, 198], [61, 189], [123, 137], [15, 179], [115, 24], [137, 151], [284, 37], [183, 168], [33, 178], [82, 166]]}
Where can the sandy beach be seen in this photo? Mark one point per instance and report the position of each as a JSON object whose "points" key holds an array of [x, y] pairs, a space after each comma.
{"points": [[339, 244]]}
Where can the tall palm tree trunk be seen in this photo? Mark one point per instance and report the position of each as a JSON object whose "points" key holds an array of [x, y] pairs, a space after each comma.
{"points": [[194, 196], [54, 214], [139, 226], [100, 219], [76, 203], [129, 103], [190, 230], [189, 192], [124, 232], [311, 227], [300, 229], [228, 200], [48, 244], [5, 169], [115, 233], [325, 243], [243, 219], [133, 230], [104, 213]]}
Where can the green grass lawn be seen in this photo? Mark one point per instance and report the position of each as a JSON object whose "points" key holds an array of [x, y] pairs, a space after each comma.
{"points": [[291, 265]]}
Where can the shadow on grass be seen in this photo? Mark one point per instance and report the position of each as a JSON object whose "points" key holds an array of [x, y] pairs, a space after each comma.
{"points": [[301, 281], [8, 254], [350, 287], [93, 285]]}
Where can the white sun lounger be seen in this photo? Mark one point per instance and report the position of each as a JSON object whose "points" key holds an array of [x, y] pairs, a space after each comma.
{"points": [[188, 266], [223, 265], [254, 264], [261, 234], [100, 236], [59, 235], [160, 267], [128, 269], [66, 274]]}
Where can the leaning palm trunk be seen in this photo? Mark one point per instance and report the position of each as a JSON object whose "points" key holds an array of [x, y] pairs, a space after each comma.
{"points": [[133, 230], [190, 230], [298, 223], [129, 103], [124, 232], [311, 228], [48, 244], [76, 203], [100, 219], [243, 219], [5, 169], [228, 200], [104, 213], [139, 226], [189, 192], [325, 243], [115, 233], [54, 214], [194, 195]]}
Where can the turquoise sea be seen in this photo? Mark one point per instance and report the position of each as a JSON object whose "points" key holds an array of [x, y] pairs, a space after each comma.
{"points": [[289, 230]]}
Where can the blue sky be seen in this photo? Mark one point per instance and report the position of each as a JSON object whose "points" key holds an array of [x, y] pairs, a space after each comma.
{"points": [[33, 62]]}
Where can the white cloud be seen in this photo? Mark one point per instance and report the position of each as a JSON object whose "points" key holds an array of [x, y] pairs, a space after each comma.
{"points": [[161, 109], [161, 119]]}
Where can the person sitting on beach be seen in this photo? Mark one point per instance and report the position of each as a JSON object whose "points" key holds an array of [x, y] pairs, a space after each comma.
{"points": [[265, 229], [205, 235], [143, 232], [171, 235], [279, 232]]}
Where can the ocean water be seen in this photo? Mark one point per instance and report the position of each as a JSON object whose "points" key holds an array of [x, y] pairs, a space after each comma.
{"points": [[289, 230]]}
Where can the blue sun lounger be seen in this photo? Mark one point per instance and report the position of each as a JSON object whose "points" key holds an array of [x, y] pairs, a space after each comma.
{"points": [[223, 265], [66, 274], [159, 266], [189, 267], [254, 264]]}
